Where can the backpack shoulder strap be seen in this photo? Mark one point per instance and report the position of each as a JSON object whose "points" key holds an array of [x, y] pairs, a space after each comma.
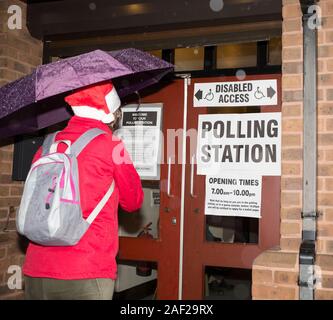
{"points": [[84, 140], [101, 204], [48, 141]]}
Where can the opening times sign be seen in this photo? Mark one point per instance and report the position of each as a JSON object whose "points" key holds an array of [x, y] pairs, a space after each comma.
{"points": [[244, 143], [233, 195]]}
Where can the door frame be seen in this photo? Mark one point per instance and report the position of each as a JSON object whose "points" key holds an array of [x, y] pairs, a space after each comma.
{"points": [[198, 252]]}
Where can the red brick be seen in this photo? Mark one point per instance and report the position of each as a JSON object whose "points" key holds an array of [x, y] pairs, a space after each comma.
{"points": [[320, 183], [325, 51], [3, 213], [290, 54], [3, 253], [276, 259], [284, 277], [322, 66], [262, 276], [328, 214], [290, 198], [291, 168], [290, 228], [293, 110], [291, 213], [292, 25], [325, 108], [329, 184], [327, 8], [291, 11], [290, 244], [329, 246], [292, 125], [4, 191], [325, 170], [321, 294], [292, 154], [325, 139], [325, 79], [292, 95], [325, 230], [329, 155], [329, 64], [325, 262], [6, 155], [5, 179], [292, 81], [329, 126], [16, 190], [292, 39], [291, 183], [321, 246], [325, 199], [291, 140], [8, 202], [267, 292], [320, 155]]}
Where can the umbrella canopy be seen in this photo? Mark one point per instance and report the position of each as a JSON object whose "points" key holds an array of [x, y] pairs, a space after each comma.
{"points": [[36, 101]]}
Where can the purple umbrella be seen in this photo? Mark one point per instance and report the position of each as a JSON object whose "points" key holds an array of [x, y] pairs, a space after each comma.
{"points": [[36, 101]]}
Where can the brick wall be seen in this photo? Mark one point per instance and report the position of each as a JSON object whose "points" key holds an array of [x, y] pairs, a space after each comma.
{"points": [[275, 272], [19, 54]]}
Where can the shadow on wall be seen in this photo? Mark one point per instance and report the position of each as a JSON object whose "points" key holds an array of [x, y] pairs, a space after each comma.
{"points": [[22, 243], [12, 237], [6, 142]]}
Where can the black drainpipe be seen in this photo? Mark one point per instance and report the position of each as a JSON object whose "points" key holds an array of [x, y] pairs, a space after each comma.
{"points": [[307, 253]]}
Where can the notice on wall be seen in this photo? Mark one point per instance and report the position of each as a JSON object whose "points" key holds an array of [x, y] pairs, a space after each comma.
{"points": [[249, 142], [140, 131], [233, 196], [155, 198], [236, 93]]}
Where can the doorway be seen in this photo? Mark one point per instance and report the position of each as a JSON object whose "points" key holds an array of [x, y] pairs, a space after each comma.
{"points": [[200, 256]]}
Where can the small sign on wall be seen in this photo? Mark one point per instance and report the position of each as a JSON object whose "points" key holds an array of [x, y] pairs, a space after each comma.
{"points": [[155, 198]]}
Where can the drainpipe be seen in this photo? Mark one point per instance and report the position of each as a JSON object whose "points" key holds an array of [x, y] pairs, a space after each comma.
{"points": [[307, 253]]}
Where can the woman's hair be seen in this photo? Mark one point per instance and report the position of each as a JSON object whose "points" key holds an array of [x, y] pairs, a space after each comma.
{"points": [[114, 125]]}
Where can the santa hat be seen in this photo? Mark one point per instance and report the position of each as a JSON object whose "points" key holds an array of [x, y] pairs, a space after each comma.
{"points": [[98, 101]]}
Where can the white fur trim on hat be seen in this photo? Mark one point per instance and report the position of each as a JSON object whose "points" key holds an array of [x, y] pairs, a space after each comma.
{"points": [[93, 113], [112, 100]]}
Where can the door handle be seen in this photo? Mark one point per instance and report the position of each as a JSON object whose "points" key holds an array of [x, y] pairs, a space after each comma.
{"points": [[192, 176], [169, 178]]}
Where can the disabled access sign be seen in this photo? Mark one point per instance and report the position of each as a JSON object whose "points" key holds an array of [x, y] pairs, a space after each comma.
{"points": [[236, 93]]}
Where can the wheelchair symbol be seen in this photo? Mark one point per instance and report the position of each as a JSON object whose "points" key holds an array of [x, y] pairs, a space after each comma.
{"points": [[209, 96]]}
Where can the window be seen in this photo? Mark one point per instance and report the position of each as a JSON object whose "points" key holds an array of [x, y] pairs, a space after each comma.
{"points": [[236, 55], [189, 59], [275, 49]]}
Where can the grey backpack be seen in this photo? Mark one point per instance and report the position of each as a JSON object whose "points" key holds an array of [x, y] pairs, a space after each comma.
{"points": [[50, 213]]}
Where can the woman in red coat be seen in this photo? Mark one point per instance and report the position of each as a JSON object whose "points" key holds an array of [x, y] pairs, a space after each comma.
{"points": [[88, 270]]}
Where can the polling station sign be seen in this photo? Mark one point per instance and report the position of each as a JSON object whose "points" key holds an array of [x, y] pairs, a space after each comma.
{"points": [[244, 143], [233, 195], [236, 93]]}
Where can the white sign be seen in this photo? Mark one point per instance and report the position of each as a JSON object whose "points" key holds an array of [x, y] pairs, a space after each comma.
{"points": [[236, 93], [249, 142], [233, 195], [140, 131]]}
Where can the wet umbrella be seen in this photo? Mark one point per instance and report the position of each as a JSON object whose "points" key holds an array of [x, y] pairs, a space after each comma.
{"points": [[36, 101]]}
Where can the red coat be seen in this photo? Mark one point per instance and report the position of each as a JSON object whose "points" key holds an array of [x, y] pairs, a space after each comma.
{"points": [[94, 256]]}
